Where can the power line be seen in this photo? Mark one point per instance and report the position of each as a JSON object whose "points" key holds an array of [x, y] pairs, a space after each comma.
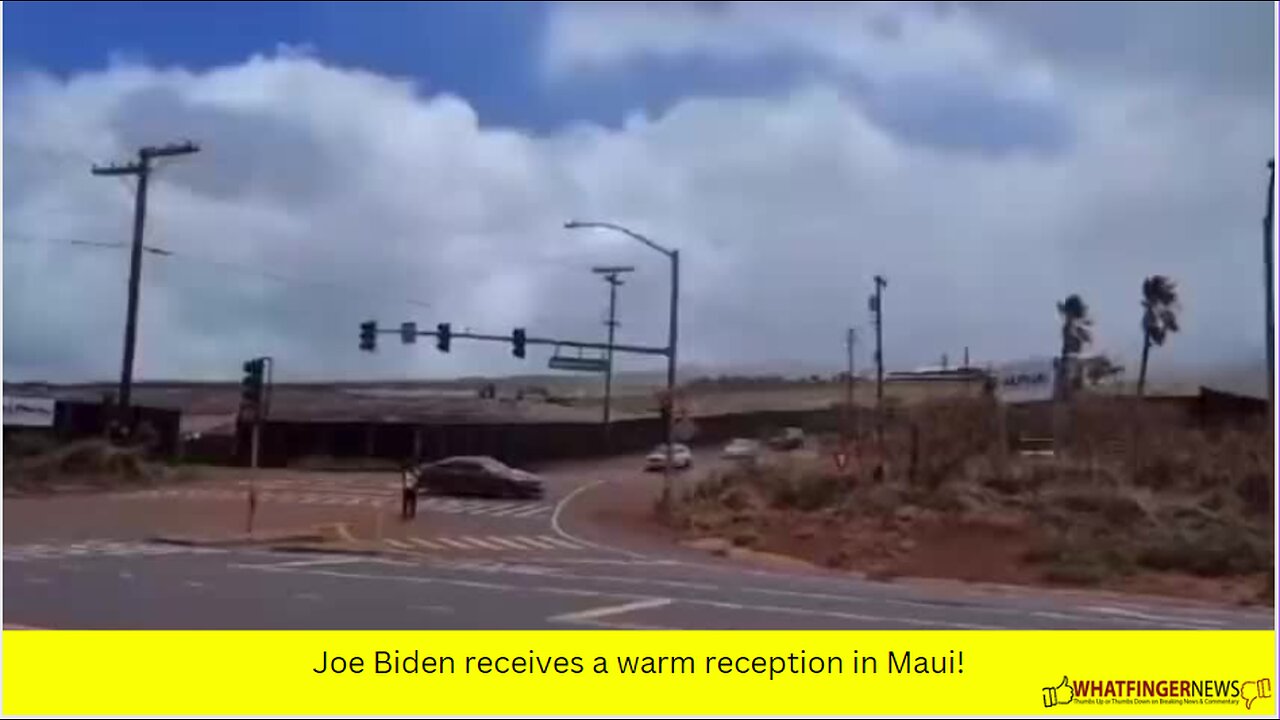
{"points": [[199, 259]]}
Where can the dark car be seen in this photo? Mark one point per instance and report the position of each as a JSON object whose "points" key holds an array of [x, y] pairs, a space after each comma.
{"points": [[477, 477]]}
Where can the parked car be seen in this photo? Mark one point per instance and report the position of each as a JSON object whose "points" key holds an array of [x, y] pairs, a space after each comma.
{"points": [[742, 450], [791, 438], [681, 458], [477, 477]]}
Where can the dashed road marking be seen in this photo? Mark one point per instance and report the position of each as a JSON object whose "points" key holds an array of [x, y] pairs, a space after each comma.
{"points": [[608, 610]]}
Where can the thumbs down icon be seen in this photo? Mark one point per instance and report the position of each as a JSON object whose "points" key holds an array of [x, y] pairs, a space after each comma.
{"points": [[1254, 689]]}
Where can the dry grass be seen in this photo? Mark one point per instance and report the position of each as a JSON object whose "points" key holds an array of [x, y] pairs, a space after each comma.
{"points": [[1131, 491], [88, 462]]}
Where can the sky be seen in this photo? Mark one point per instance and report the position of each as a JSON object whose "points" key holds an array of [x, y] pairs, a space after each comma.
{"points": [[397, 162]]}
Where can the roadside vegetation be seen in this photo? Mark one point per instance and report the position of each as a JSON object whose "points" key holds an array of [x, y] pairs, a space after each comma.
{"points": [[35, 464], [1133, 497]]}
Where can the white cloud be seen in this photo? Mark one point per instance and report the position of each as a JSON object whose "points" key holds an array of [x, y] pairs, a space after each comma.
{"points": [[783, 207]]}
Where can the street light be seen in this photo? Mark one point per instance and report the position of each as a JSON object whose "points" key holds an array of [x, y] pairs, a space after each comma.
{"points": [[672, 332]]}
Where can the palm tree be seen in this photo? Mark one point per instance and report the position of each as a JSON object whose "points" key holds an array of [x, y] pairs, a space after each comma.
{"points": [[1075, 335], [1159, 318]]}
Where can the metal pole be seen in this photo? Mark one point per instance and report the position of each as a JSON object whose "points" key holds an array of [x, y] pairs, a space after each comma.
{"points": [[1268, 239], [672, 337]]}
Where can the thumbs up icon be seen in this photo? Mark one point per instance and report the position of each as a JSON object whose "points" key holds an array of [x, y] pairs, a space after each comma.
{"points": [[1054, 695]]}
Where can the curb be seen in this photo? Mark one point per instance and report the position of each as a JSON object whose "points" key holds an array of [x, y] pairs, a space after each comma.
{"points": [[323, 534]]}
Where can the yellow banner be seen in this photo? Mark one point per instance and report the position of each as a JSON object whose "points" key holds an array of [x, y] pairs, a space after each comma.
{"points": [[1065, 673]]}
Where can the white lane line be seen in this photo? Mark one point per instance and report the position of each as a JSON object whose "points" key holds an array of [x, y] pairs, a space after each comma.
{"points": [[559, 509], [559, 542], [608, 610], [441, 609], [540, 544], [506, 542], [317, 562], [454, 543], [481, 543], [1162, 619], [423, 542]]}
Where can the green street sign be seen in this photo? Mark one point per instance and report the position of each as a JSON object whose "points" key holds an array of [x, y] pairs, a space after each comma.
{"points": [[579, 364]]}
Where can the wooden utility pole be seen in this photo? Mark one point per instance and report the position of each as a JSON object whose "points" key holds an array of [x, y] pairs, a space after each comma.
{"points": [[877, 309], [611, 276], [851, 339], [142, 168]]}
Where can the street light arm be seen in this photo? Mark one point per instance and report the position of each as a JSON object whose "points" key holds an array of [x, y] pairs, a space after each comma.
{"points": [[574, 225]]}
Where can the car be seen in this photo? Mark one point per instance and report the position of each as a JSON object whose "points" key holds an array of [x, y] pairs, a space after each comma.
{"points": [[742, 449], [475, 476], [792, 438], [681, 458]]}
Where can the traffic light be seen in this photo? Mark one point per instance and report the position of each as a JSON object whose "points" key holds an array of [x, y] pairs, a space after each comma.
{"points": [[368, 335], [408, 332], [517, 342], [444, 333], [251, 386]]}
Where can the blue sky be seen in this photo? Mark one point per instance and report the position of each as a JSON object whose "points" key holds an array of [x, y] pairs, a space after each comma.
{"points": [[990, 158], [484, 51]]}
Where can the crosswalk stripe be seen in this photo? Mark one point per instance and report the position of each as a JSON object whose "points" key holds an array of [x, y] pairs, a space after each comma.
{"points": [[530, 512], [473, 506], [454, 543], [507, 542], [481, 543], [399, 544], [560, 541], [426, 543], [507, 509], [541, 544]]}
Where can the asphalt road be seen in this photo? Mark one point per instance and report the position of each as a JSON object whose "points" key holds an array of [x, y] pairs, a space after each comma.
{"points": [[511, 574]]}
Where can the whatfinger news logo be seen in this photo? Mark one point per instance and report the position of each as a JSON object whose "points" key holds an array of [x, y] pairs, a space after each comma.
{"points": [[1156, 692]]}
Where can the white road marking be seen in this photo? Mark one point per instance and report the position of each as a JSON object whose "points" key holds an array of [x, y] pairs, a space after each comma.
{"points": [[398, 544], [559, 542], [329, 560], [443, 610], [481, 543], [598, 613], [540, 544], [508, 510], [507, 542], [1162, 619], [426, 543], [559, 508], [454, 543], [194, 584]]}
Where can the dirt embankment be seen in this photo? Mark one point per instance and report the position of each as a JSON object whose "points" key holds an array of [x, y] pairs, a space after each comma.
{"points": [[1158, 507]]}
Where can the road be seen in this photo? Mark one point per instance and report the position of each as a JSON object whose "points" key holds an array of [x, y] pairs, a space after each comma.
{"points": [[490, 565]]}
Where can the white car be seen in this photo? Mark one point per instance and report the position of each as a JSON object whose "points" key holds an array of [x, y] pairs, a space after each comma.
{"points": [[742, 449], [681, 458]]}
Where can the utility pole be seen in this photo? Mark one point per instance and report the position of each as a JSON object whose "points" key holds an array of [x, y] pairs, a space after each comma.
{"points": [[851, 339], [1268, 253], [142, 168], [611, 276], [877, 309]]}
